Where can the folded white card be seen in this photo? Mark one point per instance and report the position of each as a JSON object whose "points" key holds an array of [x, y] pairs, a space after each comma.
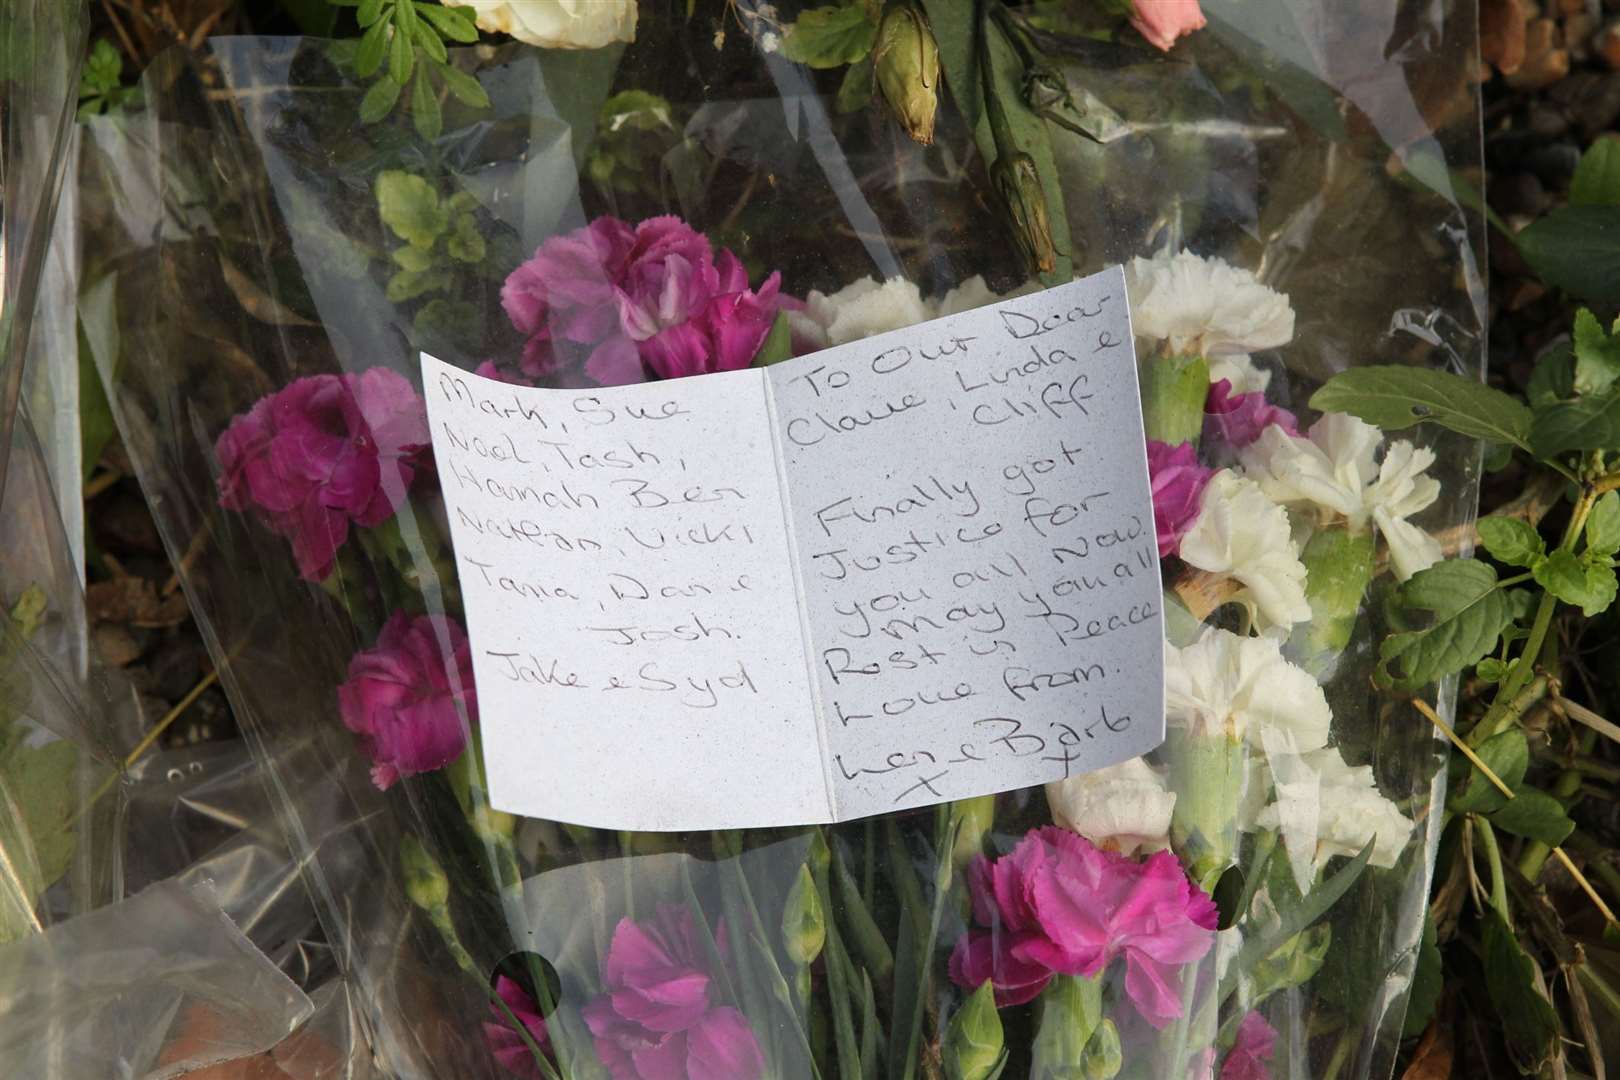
{"points": [[914, 568]]}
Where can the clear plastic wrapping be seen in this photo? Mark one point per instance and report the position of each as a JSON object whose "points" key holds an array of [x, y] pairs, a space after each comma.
{"points": [[246, 242]]}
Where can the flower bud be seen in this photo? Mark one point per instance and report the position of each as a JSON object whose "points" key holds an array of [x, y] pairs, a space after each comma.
{"points": [[1174, 389], [973, 1048], [971, 819], [1071, 1009], [907, 67], [1018, 184], [804, 924], [425, 882], [1102, 1058], [1299, 958], [1338, 569]]}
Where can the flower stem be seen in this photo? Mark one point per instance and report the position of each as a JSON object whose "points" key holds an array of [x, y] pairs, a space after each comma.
{"points": [[1493, 858]]}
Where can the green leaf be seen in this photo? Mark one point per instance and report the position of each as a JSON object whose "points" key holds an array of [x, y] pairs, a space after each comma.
{"points": [[1511, 540], [410, 207], [1588, 423], [1553, 378], [454, 24], [429, 42], [855, 92], [96, 424], [1527, 1019], [1597, 177], [1393, 397], [401, 56], [405, 20], [1534, 814], [464, 87], [425, 112], [1507, 754], [1577, 248], [409, 284], [1603, 525], [316, 18], [1428, 981], [778, 343], [379, 100], [1586, 583], [37, 801], [1468, 612], [829, 37], [465, 243], [1597, 355], [411, 257], [1492, 670], [370, 12], [373, 46]]}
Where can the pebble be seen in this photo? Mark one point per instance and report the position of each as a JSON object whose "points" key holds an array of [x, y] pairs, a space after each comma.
{"points": [[116, 645]]}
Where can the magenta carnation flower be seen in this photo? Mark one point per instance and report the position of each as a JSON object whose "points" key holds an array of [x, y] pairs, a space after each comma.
{"points": [[322, 452], [625, 299], [1238, 419], [1178, 486], [405, 696], [506, 1045], [1058, 905], [657, 1018], [1250, 1056]]}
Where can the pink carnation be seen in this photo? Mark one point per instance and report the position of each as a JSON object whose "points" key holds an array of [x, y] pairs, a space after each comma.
{"points": [[1238, 419], [1058, 905], [506, 1045], [657, 1018], [490, 370], [405, 696], [1250, 1056], [1178, 486], [626, 300], [322, 452], [1163, 21]]}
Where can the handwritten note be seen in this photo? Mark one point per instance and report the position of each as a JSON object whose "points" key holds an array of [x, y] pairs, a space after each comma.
{"points": [[915, 568]]}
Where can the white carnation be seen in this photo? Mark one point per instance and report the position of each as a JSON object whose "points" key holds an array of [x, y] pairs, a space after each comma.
{"points": [[1123, 807], [867, 307], [1236, 687], [1241, 372], [1335, 468], [1240, 532], [559, 24], [1350, 811], [1205, 307]]}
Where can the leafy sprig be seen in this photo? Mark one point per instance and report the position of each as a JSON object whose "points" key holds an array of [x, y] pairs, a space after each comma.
{"points": [[403, 44]]}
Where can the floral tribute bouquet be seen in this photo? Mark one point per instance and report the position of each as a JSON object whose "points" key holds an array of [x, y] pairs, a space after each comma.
{"points": [[586, 206]]}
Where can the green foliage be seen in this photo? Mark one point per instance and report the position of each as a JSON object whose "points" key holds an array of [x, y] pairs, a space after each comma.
{"points": [[829, 37], [634, 131], [37, 792], [1597, 177], [1534, 814], [1528, 1021], [99, 83], [778, 343], [1586, 581], [403, 44], [1428, 981], [1577, 248], [1511, 541], [1597, 354], [1467, 611], [439, 235], [1393, 397], [1508, 756]]}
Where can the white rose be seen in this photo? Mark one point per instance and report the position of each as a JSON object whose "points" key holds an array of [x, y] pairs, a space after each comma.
{"points": [[1350, 811], [1242, 533], [1205, 307], [559, 24], [1123, 808], [1236, 687], [1335, 468]]}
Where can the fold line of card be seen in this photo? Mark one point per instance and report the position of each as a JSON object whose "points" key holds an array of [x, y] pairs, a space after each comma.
{"points": [[801, 600]]}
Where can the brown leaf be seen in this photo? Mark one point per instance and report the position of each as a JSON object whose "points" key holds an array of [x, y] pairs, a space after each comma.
{"points": [[1502, 26], [1432, 1058], [255, 301], [134, 601]]}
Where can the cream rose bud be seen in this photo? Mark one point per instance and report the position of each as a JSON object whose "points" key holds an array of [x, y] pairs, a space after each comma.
{"points": [[1123, 808], [559, 24]]}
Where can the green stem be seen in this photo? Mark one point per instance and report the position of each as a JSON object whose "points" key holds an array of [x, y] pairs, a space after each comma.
{"points": [[1341, 1053], [1600, 988], [1493, 858], [1568, 785]]}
